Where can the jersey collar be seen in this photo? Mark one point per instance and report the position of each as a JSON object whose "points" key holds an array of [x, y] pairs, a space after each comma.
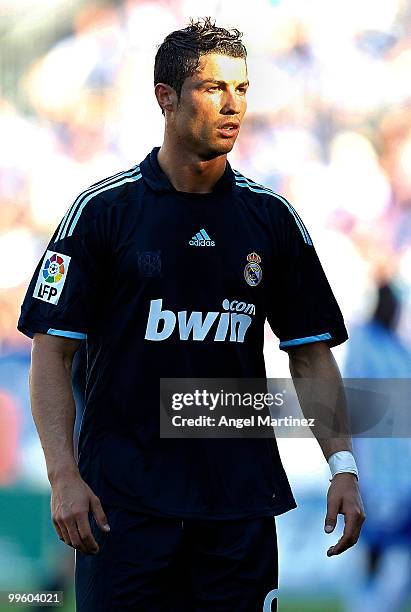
{"points": [[158, 180]]}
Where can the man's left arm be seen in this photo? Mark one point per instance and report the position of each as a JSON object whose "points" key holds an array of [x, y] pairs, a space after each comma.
{"points": [[315, 362]]}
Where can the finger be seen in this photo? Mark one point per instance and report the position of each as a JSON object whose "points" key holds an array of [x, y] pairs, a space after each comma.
{"points": [[89, 542], [99, 514], [333, 506], [58, 530], [64, 532], [71, 526], [88, 545], [358, 519], [348, 538]]}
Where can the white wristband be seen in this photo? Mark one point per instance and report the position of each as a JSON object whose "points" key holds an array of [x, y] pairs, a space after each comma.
{"points": [[342, 461]]}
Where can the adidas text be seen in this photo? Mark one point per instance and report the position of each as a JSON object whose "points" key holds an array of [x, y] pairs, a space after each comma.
{"points": [[201, 242]]}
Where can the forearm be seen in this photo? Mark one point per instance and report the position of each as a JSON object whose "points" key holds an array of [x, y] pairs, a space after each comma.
{"points": [[53, 409], [320, 396]]}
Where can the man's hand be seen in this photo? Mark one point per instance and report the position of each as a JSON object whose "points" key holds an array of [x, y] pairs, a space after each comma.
{"points": [[71, 501], [344, 498]]}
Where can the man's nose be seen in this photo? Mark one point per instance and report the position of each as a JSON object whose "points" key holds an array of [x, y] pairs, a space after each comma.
{"points": [[231, 103]]}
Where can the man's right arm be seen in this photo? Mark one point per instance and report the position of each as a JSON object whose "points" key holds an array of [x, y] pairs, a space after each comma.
{"points": [[53, 409]]}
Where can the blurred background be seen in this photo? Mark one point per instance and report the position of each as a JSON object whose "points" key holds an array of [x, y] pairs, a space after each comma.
{"points": [[329, 127]]}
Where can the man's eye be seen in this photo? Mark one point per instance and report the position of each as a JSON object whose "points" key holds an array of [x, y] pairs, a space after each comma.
{"points": [[242, 90], [213, 88]]}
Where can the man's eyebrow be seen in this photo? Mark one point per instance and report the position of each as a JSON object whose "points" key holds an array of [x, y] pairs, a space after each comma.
{"points": [[217, 82]]}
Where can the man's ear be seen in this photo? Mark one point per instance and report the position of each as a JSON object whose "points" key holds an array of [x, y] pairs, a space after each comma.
{"points": [[166, 96]]}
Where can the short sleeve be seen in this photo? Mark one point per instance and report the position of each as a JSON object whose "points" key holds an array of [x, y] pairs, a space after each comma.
{"points": [[301, 305], [63, 294]]}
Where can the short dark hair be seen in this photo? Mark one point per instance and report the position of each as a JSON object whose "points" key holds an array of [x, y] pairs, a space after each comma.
{"points": [[179, 54]]}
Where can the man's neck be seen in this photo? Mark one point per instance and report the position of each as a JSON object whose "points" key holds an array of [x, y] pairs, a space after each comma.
{"points": [[187, 172]]}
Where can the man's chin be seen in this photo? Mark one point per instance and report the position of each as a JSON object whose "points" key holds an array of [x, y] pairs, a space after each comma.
{"points": [[216, 149]]}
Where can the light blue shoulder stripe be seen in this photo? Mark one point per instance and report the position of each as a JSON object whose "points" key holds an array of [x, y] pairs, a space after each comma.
{"points": [[305, 340], [252, 186], [286, 202], [69, 214], [66, 334], [76, 201], [130, 179]]}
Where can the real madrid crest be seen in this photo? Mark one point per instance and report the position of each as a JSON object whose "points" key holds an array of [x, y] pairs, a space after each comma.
{"points": [[252, 271]]}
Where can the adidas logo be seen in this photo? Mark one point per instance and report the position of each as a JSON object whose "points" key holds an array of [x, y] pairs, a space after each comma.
{"points": [[201, 239]]}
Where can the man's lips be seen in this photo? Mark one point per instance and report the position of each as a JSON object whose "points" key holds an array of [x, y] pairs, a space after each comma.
{"points": [[229, 129]]}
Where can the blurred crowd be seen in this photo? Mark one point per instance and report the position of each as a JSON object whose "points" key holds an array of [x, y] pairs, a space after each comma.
{"points": [[328, 126]]}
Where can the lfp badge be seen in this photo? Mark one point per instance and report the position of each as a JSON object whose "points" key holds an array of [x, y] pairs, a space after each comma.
{"points": [[252, 271], [52, 276]]}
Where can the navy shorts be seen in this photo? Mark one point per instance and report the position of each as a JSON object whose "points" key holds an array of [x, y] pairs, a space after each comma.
{"points": [[155, 564]]}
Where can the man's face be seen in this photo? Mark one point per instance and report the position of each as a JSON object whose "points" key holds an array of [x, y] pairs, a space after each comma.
{"points": [[212, 105]]}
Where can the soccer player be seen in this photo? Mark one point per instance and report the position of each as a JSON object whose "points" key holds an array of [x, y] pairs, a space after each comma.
{"points": [[144, 267]]}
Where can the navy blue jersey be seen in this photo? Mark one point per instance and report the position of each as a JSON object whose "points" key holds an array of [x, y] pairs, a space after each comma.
{"points": [[163, 283]]}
